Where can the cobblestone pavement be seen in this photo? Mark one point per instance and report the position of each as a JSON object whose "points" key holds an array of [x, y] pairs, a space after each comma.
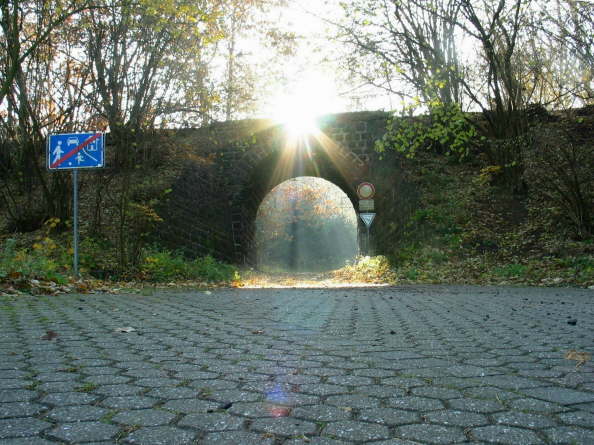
{"points": [[389, 366]]}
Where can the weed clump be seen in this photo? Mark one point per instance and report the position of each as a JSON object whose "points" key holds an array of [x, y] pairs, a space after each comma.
{"points": [[367, 269]]}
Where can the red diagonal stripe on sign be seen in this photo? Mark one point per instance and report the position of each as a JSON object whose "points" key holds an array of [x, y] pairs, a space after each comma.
{"points": [[75, 150]]}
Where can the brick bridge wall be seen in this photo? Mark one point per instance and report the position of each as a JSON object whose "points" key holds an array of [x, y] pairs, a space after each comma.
{"points": [[214, 202]]}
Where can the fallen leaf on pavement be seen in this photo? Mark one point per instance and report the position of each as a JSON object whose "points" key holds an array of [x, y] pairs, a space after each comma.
{"points": [[579, 356], [49, 335], [125, 330]]}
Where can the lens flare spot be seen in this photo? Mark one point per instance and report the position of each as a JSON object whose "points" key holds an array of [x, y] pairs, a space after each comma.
{"points": [[277, 400]]}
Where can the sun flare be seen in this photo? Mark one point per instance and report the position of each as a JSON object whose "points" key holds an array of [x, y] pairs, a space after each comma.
{"points": [[299, 108]]}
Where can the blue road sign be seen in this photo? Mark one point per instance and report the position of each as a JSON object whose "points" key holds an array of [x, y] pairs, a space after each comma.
{"points": [[75, 150]]}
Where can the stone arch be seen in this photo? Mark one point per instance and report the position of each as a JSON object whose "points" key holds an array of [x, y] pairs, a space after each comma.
{"points": [[225, 173]]}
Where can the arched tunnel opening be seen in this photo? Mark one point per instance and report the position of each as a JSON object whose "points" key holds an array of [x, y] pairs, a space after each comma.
{"points": [[305, 224], [330, 176]]}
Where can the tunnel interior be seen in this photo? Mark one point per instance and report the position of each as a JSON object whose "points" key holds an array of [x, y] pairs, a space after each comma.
{"points": [[305, 224]]}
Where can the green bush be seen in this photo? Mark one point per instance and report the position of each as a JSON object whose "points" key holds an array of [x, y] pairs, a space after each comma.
{"points": [[511, 270], [96, 256], [23, 264], [581, 267], [162, 265], [444, 129], [209, 269]]}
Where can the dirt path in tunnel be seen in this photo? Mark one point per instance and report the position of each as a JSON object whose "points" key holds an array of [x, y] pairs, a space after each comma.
{"points": [[257, 279]]}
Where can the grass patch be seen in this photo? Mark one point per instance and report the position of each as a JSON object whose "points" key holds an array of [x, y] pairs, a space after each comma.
{"points": [[108, 416], [87, 387]]}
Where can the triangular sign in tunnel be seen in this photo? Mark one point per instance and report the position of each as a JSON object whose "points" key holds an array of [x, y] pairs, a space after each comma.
{"points": [[367, 218]]}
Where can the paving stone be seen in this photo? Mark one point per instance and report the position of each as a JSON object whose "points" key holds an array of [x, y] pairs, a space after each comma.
{"points": [[16, 395], [172, 393], [563, 396], [415, 403], [145, 373], [160, 435], [397, 442], [253, 409], [536, 405], [299, 379], [284, 426], [436, 392], [196, 374], [13, 373], [456, 418], [476, 406], [234, 395], [374, 373], [89, 363], [212, 422], [191, 405], [491, 392], [14, 383], [108, 379], [356, 431], [76, 413], [156, 382], [581, 418], [584, 407], [437, 434], [323, 389], [69, 398], [524, 420], [144, 417], [21, 427], [83, 431], [20, 409], [316, 441], [570, 435], [57, 376], [27, 441], [380, 391], [388, 416], [510, 382], [99, 370], [353, 401], [237, 438], [211, 385], [403, 382], [323, 372], [58, 386], [119, 390], [322, 413], [505, 435], [350, 380], [129, 402]]}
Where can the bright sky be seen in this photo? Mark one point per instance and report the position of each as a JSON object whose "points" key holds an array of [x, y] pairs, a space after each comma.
{"points": [[313, 86]]}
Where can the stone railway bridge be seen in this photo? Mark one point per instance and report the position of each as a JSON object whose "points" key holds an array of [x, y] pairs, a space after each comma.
{"points": [[232, 166]]}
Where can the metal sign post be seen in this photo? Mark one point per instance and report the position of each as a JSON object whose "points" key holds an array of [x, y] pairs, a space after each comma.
{"points": [[73, 151], [366, 193], [75, 218], [367, 219]]}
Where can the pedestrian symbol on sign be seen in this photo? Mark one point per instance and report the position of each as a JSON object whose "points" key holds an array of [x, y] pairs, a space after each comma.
{"points": [[58, 152]]}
